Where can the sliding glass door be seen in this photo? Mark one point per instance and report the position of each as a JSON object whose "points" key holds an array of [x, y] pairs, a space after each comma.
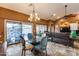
{"points": [[13, 32], [15, 29], [26, 28]]}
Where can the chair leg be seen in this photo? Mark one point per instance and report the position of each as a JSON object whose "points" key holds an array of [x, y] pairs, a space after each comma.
{"points": [[24, 52], [46, 52]]}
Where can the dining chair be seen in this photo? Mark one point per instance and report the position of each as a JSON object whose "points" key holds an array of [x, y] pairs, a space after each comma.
{"points": [[39, 34], [30, 37], [42, 46], [23, 45]]}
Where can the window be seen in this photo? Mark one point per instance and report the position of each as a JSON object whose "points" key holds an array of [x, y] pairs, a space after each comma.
{"points": [[57, 29], [26, 28], [41, 28], [15, 29], [13, 32]]}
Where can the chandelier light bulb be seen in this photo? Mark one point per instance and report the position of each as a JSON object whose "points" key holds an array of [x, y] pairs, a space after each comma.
{"points": [[36, 14], [38, 18], [35, 19], [31, 14], [31, 17], [54, 14], [58, 17]]}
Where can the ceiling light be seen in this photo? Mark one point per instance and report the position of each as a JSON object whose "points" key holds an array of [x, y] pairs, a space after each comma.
{"points": [[58, 17], [33, 15], [54, 14], [36, 14], [38, 18], [61, 20], [29, 19]]}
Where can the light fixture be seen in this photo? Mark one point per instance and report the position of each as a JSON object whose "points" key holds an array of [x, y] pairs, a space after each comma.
{"points": [[65, 16], [54, 14], [33, 16], [58, 17]]}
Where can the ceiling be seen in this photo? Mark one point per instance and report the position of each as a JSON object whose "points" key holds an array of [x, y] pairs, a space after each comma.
{"points": [[44, 10]]}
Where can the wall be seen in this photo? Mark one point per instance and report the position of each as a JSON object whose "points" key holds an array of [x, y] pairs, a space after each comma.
{"points": [[14, 15], [66, 23], [1, 29]]}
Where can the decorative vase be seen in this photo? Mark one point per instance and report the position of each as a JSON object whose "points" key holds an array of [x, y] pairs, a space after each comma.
{"points": [[73, 34]]}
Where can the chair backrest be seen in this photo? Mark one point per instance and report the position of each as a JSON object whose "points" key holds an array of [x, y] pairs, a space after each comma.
{"points": [[22, 40], [40, 34], [44, 43], [30, 36]]}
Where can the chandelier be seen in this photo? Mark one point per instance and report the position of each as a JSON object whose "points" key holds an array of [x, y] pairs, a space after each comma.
{"points": [[33, 15]]}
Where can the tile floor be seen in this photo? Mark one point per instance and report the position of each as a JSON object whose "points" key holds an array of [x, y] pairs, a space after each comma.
{"points": [[53, 49]]}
